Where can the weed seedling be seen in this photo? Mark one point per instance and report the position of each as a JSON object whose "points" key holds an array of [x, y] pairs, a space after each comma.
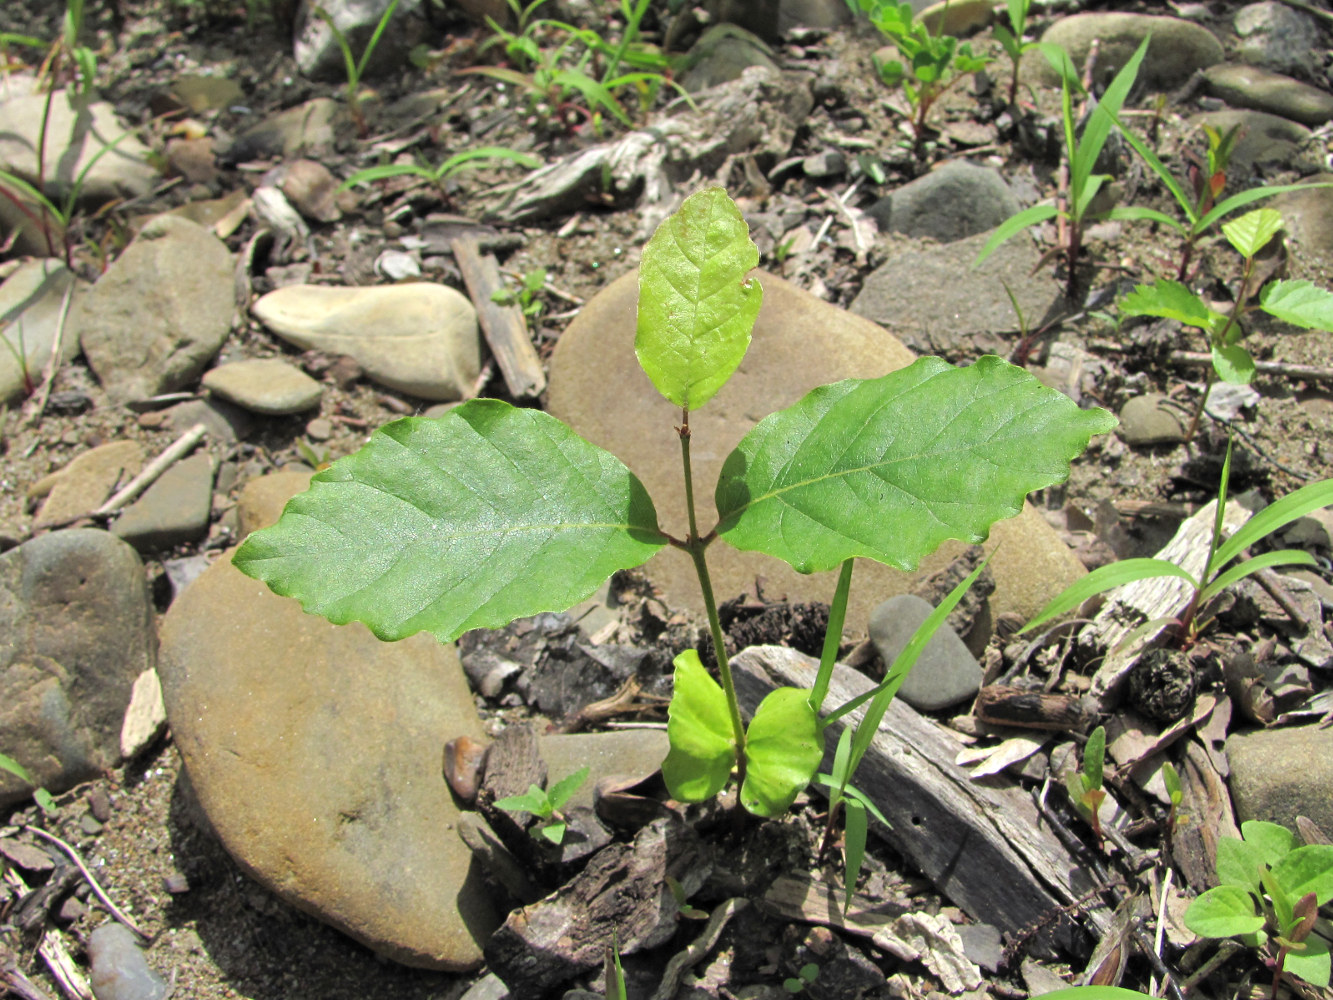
{"points": [[804, 977], [1085, 785], [355, 67], [469, 159], [1011, 40], [545, 804], [526, 297], [39, 794]]}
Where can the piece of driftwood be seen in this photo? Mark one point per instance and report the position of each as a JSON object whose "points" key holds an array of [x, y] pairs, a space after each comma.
{"points": [[504, 327], [1206, 806], [1161, 597], [1003, 705], [981, 842]]}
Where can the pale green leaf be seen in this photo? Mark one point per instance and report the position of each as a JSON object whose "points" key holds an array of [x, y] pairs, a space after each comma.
{"points": [[1169, 300], [1299, 303], [1307, 869], [1105, 578], [696, 305], [559, 793], [1239, 863], [1282, 557], [1222, 912], [889, 468], [855, 828], [703, 748], [1233, 364], [1310, 962], [1276, 515], [1251, 232], [1273, 841], [487, 514], [783, 747], [1014, 225]]}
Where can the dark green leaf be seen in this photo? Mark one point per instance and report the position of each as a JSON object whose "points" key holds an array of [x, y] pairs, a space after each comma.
{"points": [[1094, 756], [783, 747], [1276, 515], [703, 749]]}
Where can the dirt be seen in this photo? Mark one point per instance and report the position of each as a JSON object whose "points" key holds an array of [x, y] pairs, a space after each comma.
{"points": [[216, 933]]}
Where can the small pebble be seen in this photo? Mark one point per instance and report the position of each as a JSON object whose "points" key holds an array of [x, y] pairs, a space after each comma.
{"points": [[175, 883], [99, 804], [88, 824], [153, 420], [72, 909], [119, 969], [319, 429]]}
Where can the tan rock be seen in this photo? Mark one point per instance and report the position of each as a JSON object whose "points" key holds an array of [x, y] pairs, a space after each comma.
{"points": [[261, 501], [85, 483]]}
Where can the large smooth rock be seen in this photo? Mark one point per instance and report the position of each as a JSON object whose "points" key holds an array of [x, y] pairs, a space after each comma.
{"points": [[1178, 47], [159, 314], [1263, 90], [315, 751], [954, 201], [721, 55], [945, 673], [1279, 774], [1277, 37], [264, 385], [1265, 140], [1308, 218], [419, 338], [30, 301], [799, 343], [77, 624]]}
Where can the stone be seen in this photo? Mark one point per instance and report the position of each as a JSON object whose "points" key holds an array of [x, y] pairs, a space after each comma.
{"points": [[956, 200], [318, 53], [308, 129], [173, 511], [1151, 419], [1178, 48], [421, 339], [1279, 774], [206, 93], [1264, 90], [626, 753], [145, 717], [261, 696], [312, 190], [77, 130], [84, 484], [936, 302], [812, 14], [1277, 37], [959, 18], [945, 674], [78, 626], [800, 342], [30, 306], [721, 55], [261, 500], [1266, 141], [192, 159], [159, 313], [264, 385], [120, 971], [1307, 217]]}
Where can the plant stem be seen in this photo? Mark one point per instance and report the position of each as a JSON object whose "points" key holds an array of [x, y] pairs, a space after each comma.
{"points": [[837, 615], [695, 546]]}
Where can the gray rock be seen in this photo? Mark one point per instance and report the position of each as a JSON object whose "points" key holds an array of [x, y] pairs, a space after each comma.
{"points": [[261, 696], [312, 189], [85, 483], [937, 303], [1151, 419], [800, 342], [316, 49], [1266, 141], [264, 385], [959, 18], [946, 672], [628, 753], [160, 313], [420, 338], [206, 93], [30, 301], [1279, 774], [224, 422], [119, 969], [78, 628], [1178, 47], [1308, 219], [309, 129], [1263, 90], [721, 55], [173, 511], [488, 987], [1276, 36], [812, 14], [956, 200]]}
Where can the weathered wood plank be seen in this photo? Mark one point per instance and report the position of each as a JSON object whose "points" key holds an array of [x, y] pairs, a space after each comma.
{"points": [[504, 327]]}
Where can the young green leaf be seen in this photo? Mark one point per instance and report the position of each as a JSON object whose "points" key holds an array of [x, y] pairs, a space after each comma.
{"points": [[1233, 364], [1299, 303], [1276, 515], [1171, 778], [485, 515], [696, 305], [559, 793], [39, 794], [1105, 578], [1273, 841], [534, 800], [855, 829], [783, 747], [1305, 870], [1251, 232], [1238, 863], [1169, 300], [1310, 962], [703, 752], [1100, 123], [1222, 912], [554, 831], [1094, 756]]}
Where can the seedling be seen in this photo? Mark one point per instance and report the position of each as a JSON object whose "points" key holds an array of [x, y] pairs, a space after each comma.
{"points": [[614, 974], [1081, 153], [39, 794], [355, 67], [804, 977], [545, 804], [400, 537], [526, 297], [1011, 39], [467, 160], [1175, 795], [1269, 895], [1085, 785], [1218, 573]]}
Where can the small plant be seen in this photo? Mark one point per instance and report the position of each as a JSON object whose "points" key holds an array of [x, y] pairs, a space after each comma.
{"points": [[1269, 897], [64, 54], [1219, 573], [355, 67], [545, 804], [805, 976], [613, 973], [1085, 785], [316, 458], [930, 63], [1297, 302], [1175, 795], [1081, 153], [526, 297], [39, 794], [1011, 40], [469, 159]]}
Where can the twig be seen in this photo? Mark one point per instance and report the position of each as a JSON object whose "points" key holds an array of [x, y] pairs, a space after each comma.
{"points": [[698, 948], [38, 405], [1267, 579], [54, 953], [13, 979], [1197, 359], [174, 452], [116, 911], [840, 205], [1161, 926]]}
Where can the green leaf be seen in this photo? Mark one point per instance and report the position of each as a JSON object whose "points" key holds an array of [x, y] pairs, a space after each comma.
{"points": [[1094, 758], [1243, 198], [1276, 515], [855, 829], [1311, 962], [889, 468], [383, 172], [1169, 300], [1233, 364], [1238, 863], [696, 305], [1098, 128], [1251, 232], [455, 163], [534, 800], [1137, 213], [40, 795], [1105, 578], [1014, 225], [1223, 912], [559, 793], [1171, 778], [1282, 557], [1272, 840], [783, 747], [1307, 869], [487, 514], [554, 831], [703, 749], [1299, 303]]}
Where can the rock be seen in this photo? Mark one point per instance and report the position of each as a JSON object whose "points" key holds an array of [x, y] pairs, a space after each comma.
{"points": [[957, 17], [261, 696], [800, 342], [937, 303], [628, 753], [1263, 90], [420, 338], [1279, 774], [145, 718], [78, 628], [30, 304], [956, 200], [488, 987], [308, 129], [119, 969], [173, 511], [85, 483], [1308, 218], [1277, 37], [812, 14], [946, 672], [318, 54], [264, 385], [159, 313], [1178, 48], [192, 159], [206, 93], [224, 422], [1151, 419], [721, 55], [312, 190], [77, 130], [1266, 141], [261, 501]]}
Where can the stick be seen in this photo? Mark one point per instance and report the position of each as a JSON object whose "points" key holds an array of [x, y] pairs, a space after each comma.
{"points": [[116, 911], [176, 451], [698, 948], [1197, 359]]}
